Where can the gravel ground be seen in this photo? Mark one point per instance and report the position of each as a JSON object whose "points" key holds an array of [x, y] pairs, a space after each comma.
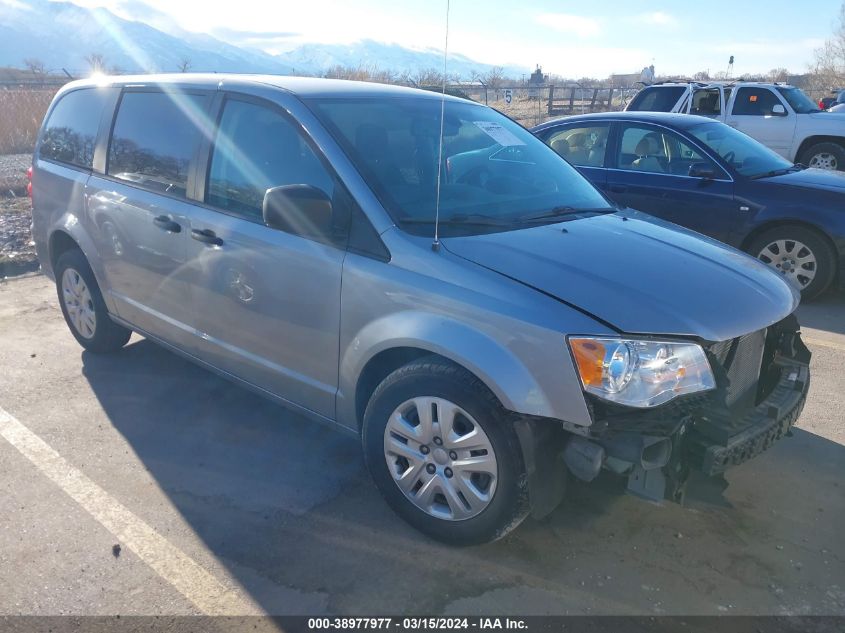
{"points": [[17, 253]]}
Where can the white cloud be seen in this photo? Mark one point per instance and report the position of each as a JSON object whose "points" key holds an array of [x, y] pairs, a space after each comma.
{"points": [[577, 25], [657, 18]]}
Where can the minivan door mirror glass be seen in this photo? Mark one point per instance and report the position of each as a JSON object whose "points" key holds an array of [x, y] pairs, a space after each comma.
{"points": [[299, 209]]}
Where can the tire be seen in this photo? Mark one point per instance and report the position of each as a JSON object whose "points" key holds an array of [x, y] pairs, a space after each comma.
{"points": [[83, 307], [824, 156], [787, 251], [434, 379]]}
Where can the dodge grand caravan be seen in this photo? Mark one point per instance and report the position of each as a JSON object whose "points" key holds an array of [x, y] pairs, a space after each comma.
{"points": [[281, 232]]}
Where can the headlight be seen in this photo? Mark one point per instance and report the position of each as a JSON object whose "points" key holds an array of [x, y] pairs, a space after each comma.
{"points": [[640, 373]]}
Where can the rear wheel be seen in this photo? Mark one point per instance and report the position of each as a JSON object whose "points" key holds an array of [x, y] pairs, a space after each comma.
{"points": [[800, 254], [83, 307], [824, 156], [442, 452]]}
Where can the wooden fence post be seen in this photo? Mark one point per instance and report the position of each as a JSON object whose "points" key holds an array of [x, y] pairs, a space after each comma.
{"points": [[551, 100]]}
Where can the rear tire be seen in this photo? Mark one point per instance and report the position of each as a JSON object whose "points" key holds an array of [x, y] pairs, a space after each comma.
{"points": [[83, 307], [824, 156], [434, 427], [792, 250]]}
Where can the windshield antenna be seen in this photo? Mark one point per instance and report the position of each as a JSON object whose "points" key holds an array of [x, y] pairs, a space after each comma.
{"points": [[435, 245]]}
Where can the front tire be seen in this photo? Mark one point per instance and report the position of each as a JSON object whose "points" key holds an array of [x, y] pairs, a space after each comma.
{"points": [[83, 307], [824, 156], [444, 455], [800, 254]]}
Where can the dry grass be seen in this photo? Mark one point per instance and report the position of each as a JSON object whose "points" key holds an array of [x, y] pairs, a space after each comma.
{"points": [[21, 113]]}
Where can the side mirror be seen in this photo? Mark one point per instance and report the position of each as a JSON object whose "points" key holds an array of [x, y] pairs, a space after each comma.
{"points": [[778, 110], [702, 170], [299, 209]]}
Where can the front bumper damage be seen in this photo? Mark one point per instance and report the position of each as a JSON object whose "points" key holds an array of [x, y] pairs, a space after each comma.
{"points": [[748, 411]]}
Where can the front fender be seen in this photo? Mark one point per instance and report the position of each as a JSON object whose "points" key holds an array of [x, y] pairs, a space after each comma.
{"points": [[491, 361]]}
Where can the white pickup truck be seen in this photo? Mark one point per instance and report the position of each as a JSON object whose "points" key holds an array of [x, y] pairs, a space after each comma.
{"points": [[780, 116]]}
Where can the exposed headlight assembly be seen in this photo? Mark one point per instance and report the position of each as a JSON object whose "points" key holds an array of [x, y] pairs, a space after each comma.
{"points": [[640, 373]]}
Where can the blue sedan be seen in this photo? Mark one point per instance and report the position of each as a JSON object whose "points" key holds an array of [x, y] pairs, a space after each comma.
{"points": [[708, 177]]}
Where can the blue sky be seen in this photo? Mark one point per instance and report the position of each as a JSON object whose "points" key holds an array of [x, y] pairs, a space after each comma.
{"points": [[572, 39]]}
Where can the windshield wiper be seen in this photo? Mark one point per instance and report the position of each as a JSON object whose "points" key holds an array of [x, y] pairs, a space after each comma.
{"points": [[778, 172], [560, 212]]}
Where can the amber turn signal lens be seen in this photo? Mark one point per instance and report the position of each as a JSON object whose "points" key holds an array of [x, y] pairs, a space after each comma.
{"points": [[589, 356]]}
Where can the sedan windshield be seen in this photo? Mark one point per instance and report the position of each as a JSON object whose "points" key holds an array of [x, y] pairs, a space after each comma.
{"points": [[798, 100], [743, 153], [494, 176]]}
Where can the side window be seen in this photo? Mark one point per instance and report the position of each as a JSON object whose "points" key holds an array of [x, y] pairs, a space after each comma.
{"points": [[657, 151], [706, 102], [755, 102], [584, 146], [154, 139], [656, 99], [257, 148], [71, 131]]}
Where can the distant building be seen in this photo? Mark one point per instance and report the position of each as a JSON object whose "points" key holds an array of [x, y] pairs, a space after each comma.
{"points": [[536, 81]]}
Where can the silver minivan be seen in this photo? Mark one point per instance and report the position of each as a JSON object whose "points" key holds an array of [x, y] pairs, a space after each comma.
{"points": [[418, 270]]}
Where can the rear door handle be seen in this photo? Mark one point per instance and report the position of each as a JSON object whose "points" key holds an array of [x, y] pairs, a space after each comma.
{"points": [[206, 236], [618, 188], [167, 224]]}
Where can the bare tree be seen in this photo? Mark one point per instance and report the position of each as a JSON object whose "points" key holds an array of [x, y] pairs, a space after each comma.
{"points": [[184, 65], [494, 77], [829, 65], [702, 75], [35, 66], [778, 74], [97, 62]]}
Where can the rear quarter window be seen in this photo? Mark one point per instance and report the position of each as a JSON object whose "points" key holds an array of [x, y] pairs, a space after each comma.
{"points": [[154, 139], [656, 99], [70, 133]]}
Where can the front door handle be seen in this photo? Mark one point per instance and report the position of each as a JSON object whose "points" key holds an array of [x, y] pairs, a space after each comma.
{"points": [[618, 188], [167, 224], [206, 236]]}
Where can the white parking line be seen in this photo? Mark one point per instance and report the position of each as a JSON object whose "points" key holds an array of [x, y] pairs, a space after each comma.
{"points": [[187, 576]]}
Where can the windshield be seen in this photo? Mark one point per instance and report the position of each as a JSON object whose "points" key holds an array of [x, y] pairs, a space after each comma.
{"points": [[495, 174], [743, 153], [799, 101]]}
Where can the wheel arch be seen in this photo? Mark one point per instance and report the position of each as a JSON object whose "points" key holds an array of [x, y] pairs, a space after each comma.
{"points": [[394, 340], [775, 223], [60, 242], [818, 138]]}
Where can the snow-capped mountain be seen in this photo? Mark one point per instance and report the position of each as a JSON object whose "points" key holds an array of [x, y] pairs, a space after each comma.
{"points": [[63, 35]]}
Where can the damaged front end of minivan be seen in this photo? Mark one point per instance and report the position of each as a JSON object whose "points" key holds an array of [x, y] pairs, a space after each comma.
{"points": [[760, 386]]}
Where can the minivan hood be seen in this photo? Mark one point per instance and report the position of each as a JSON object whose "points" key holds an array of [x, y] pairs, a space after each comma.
{"points": [[812, 178], [639, 274]]}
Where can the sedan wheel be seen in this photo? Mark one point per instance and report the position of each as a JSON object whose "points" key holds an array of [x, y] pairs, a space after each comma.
{"points": [[441, 458], [79, 303], [792, 259], [802, 255]]}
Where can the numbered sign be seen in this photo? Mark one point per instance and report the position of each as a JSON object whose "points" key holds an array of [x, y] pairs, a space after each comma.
{"points": [[508, 96]]}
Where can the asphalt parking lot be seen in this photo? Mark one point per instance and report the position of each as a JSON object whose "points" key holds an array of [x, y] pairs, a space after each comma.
{"points": [[222, 502]]}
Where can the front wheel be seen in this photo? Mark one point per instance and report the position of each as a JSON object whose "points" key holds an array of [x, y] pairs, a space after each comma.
{"points": [[442, 452], [800, 254], [824, 156]]}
